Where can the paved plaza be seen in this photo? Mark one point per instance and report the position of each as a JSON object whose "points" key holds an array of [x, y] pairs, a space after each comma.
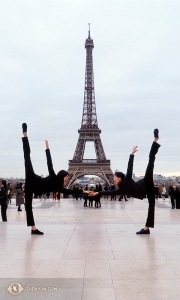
{"points": [[90, 254]]}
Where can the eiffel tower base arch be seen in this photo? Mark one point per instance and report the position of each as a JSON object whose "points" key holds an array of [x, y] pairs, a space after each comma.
{"points": [[76, 170]]}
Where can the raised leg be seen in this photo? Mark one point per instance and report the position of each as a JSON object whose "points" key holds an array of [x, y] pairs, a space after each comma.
{"points": [[29, 174], [150, 188]]}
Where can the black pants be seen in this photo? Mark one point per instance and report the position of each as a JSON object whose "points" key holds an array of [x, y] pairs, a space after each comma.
{"points": [[113, 197], [150, 188], [121, 198], [3, 211], [172, 202], [97, 203], [30, 178], [90, 203], [85, 202]]}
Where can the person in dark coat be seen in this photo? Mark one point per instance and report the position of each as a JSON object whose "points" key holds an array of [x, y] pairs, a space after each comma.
{"points": [[54, 195], [99, 187], [177, 197], [172, 192], [106, 189], [77, 194], [9, 192], [157, 192], [97, 201], [47, 195], [112, 188], [19, 196], [38, 185], [141, 188], [85, 196], [97, 198], [3, 200]]}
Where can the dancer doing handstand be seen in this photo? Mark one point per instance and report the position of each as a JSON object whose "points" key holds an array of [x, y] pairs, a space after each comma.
{"points": [[141, 188], [38, 185]]}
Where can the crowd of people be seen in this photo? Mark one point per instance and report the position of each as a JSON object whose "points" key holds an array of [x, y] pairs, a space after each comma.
{"points": [[98, 188], [172, 192], [6, 193]]}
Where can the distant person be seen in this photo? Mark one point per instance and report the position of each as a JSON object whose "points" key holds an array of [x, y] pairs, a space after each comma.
{"points": [[141, 188], [177, 197], [112, 188], [19, 196], [54, 195], [77, 192], [80, 192], [163, 193], [47, 195], [38, 185], [97, 200], [9, 192], [106, 189], [100, 187], [157, 191], [3, 200], [85, 196], [172, 191]]}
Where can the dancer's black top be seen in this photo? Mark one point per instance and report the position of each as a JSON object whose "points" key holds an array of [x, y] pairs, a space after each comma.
{"points": [[128, 186], [50, 183]]}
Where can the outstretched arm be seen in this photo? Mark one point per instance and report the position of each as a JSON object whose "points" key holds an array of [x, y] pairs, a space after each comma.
{"points": [[130, 163], [49, 159], [71, 192]]}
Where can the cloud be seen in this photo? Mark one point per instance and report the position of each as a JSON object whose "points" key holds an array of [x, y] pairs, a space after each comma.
{"points": [[42, 75]]}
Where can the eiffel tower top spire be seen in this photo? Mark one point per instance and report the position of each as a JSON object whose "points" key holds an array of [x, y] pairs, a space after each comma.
{"points": [[89, 36], [89, 117]]}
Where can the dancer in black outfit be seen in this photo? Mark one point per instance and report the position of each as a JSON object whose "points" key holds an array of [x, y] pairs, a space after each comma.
{"points": [[145, 186], [38, 185]]}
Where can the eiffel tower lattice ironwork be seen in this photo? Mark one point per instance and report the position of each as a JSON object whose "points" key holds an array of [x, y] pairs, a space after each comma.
{"points": [[89, 131]]}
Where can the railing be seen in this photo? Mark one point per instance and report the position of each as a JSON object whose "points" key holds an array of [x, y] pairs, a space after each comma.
{"points": [[89, 161]]}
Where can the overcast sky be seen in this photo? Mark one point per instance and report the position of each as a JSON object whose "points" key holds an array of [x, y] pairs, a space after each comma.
{"points": [[137, 80]]}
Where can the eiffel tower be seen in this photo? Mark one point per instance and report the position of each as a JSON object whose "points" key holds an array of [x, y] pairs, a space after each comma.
{"points": [[89, 131]]}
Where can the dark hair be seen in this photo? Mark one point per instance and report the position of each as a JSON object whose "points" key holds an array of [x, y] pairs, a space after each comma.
{"points": [[4, 183], [120, 175], [60, 177]]}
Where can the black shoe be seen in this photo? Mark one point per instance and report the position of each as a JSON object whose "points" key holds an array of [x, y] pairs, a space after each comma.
{"points": [[143, 231], [36, 231], [19, 209], [156, 133], [24, 127]]}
